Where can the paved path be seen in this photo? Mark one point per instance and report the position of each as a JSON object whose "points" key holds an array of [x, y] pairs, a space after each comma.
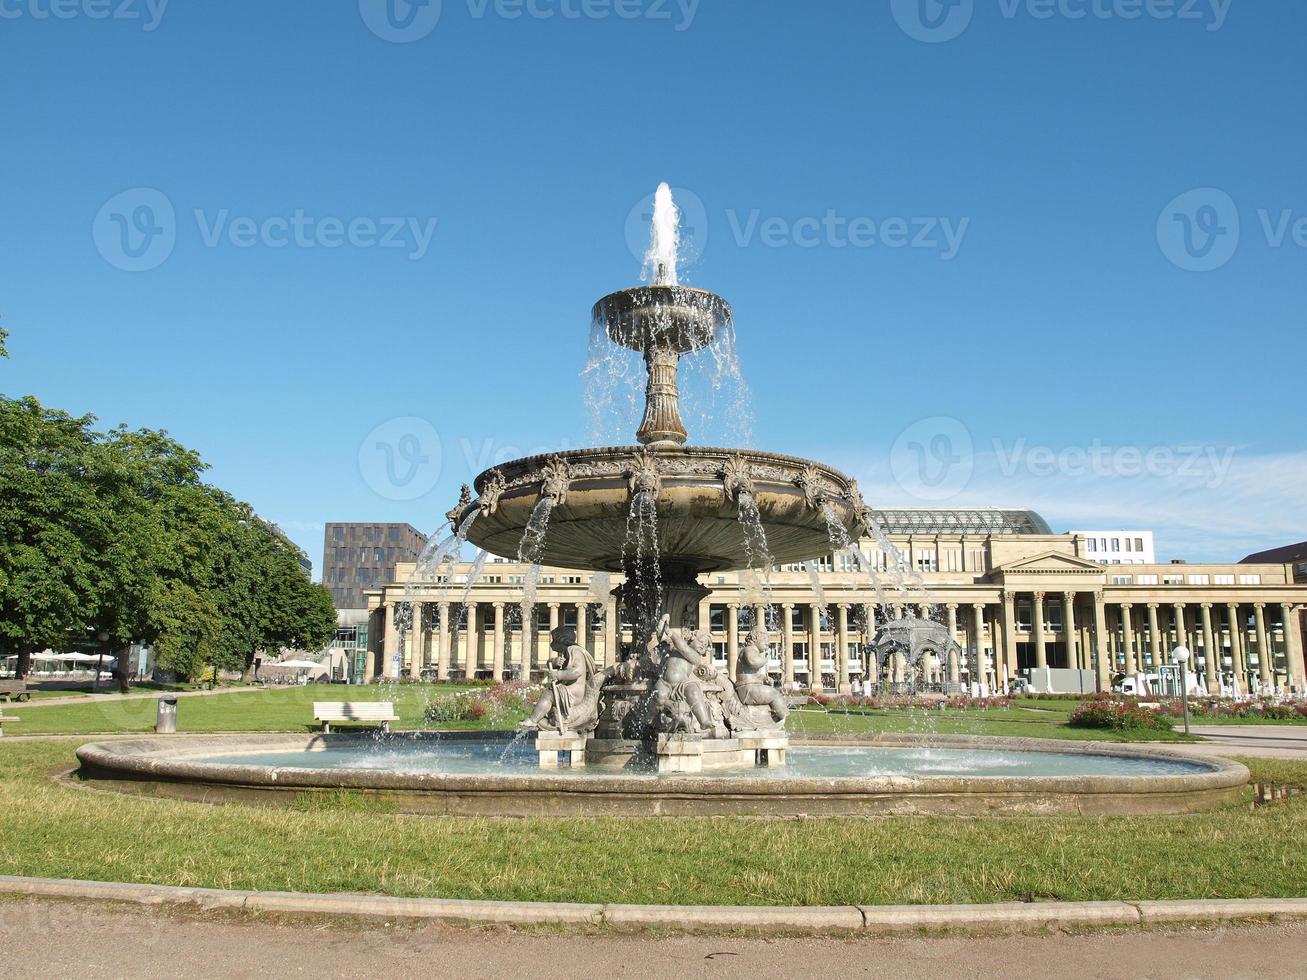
{"points": [[1263, 741], [134, 696], [43, 938]]}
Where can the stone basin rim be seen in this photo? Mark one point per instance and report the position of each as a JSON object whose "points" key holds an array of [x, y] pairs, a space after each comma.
{"points": [[166, 759]]}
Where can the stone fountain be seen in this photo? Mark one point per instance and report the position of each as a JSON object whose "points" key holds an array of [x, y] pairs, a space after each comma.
{"points": [[662, 512]]}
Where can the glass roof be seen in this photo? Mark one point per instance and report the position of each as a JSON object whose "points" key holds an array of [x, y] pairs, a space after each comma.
{"points": [[980, 520]]}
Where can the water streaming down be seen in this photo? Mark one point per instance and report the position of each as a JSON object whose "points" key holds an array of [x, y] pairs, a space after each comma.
{"points": [[814, 576], [529, 550], [640, 559]]}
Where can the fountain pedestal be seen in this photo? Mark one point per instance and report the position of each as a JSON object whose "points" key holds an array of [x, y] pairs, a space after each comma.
{"points": [[555, 748]]}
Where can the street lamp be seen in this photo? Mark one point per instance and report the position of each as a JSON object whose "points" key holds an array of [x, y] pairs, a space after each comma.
{"points": [[1181, 656]]}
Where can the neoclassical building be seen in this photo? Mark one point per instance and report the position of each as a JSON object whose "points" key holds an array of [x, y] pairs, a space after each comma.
{"points": [[1014, 595]]}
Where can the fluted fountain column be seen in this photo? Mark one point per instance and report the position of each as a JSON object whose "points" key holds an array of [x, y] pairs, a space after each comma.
{"points": [[787, 644], [662, 423]]}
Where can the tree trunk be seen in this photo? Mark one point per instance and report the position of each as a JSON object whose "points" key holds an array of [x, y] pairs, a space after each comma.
{"points": [[123, 672], [24, 666]]}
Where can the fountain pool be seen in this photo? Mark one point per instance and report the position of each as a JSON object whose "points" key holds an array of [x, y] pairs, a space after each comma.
{"points": [[497, 774]]}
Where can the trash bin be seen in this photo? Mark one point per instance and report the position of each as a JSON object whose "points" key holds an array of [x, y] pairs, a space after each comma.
{"points": [[166, 721]]}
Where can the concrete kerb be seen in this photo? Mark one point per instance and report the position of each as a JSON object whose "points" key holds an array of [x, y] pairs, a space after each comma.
{"points": [[1009, 917]]}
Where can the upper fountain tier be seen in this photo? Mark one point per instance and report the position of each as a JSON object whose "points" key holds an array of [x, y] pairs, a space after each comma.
{"points": [[698, 493]]}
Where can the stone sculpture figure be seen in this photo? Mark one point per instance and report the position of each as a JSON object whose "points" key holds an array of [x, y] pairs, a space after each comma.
{"points": [[567, 700], [678, 693], [752, 685]]}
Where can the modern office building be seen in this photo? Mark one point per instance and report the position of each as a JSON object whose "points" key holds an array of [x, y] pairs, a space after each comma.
{"points": [[357, 557], [1013, 594], [1119, 547]]}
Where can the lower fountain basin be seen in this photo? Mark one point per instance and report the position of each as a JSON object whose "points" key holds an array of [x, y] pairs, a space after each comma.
{"points": [[697, 506], [478, 774]]}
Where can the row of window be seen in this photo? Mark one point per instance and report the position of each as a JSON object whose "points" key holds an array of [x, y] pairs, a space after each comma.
{"points": [[1101, 544], [1191, 580]]}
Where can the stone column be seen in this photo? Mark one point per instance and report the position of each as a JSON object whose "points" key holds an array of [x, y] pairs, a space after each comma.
{"points": [[1294, 665], [1128, 638], [553, 619], [814, 648], [472, 648], [1264, 661], [390, 649], [732, 636], [978, 626], [787, 644], [1069, 629], [1041, 655], [415, 643], [582, 625], [954, 670], [842, 647], [1003, 667], [1210, 654], [1181, 627], [612, 649], [1154, 636], [442, 643], [1102, 651], [1238, 656], [497, 655]]}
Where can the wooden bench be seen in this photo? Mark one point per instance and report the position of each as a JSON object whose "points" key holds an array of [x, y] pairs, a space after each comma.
{"points": [[369, 712], [3, 719]]}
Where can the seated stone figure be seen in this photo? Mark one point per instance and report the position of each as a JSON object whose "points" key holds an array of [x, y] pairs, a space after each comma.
{"points": [[678, 687], [752, 685], [571, 673]]}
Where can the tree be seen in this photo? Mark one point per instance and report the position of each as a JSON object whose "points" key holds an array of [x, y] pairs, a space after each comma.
{"points": [[48, 584], [4, 335]]}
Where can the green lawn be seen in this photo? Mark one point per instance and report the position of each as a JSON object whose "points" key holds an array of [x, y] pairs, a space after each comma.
{"points": [[351, 842], [291, 709], [273, 709], [1018, 721]]}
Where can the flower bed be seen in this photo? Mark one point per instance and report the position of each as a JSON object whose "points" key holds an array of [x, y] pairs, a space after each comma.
{"points": [[1119, 716]]}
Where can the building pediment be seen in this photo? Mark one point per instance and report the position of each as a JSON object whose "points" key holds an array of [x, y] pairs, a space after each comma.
{"points": [[1048, 564]]}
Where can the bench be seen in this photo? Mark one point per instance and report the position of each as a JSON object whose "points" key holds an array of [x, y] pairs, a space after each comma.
{"points": [[369, 712], [3, 719]]}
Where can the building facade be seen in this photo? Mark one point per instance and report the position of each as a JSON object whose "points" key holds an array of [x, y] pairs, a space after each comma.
{"points": [[1118, 547], [357, 557], [1013, 594]]}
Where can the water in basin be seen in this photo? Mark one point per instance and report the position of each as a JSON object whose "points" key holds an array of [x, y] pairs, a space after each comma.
{"points": [[497, 757]]}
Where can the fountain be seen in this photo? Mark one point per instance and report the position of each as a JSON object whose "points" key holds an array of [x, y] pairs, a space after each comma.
{"points": [[661, 512], [663, 730]]}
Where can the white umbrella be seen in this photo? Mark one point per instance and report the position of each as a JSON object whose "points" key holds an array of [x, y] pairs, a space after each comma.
{"points": [[294, 664]]}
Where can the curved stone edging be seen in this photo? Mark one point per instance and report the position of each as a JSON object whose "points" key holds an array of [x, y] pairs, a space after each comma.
{"points": [[1004, 917], [165, 766]]}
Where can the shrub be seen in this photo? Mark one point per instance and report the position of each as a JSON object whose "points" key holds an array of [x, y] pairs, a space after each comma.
{"points": [[1119, 716]]}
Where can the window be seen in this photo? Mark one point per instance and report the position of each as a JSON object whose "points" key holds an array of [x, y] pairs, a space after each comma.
{"points": [[1139, 544], [571, 579], [824, 564], [1146, 580], [1173, 580], [1223, 580], [1122, 579], [1093, 544], [1128, 544], [1116, 544], [1250, 580], [846, 562], [1199, 580], [927, 561]]}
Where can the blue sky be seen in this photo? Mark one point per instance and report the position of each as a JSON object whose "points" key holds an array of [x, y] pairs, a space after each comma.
{"points": [[1017, 252]]}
